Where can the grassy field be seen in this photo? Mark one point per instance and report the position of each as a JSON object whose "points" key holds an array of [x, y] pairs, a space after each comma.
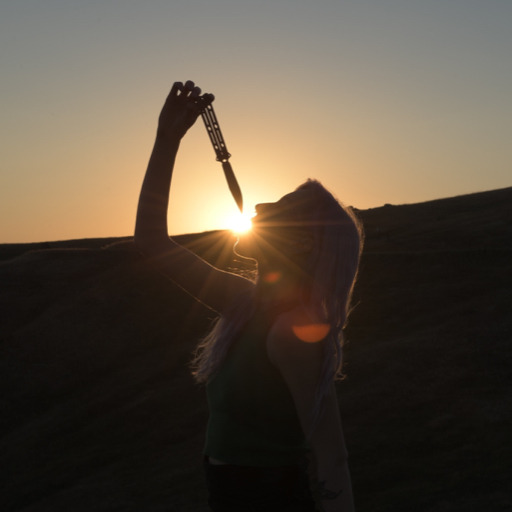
{"points": [[99, 411]]}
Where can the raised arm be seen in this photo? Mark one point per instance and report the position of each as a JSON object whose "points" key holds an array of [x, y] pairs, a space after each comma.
{"points": [[208, 284]]}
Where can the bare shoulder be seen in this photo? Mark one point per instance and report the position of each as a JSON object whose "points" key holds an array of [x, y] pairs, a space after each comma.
{"points": [[296, 339]]}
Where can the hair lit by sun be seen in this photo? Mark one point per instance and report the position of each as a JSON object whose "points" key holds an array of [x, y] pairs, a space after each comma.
{"points": [[239, 222]]}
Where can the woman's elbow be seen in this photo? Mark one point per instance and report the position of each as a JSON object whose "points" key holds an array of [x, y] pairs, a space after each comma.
{"points": [[140, 240], [153, 245], [145, 244]]}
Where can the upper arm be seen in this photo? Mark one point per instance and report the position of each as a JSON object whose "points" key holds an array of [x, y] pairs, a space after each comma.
{"points": [[212, 286], [300, 364]]}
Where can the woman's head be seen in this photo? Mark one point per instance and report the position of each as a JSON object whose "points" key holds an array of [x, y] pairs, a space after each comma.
{"points": [[333, 260], [309, 233]]}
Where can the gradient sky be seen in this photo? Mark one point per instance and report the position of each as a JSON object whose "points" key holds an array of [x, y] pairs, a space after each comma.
{"points": [[384, 101]]}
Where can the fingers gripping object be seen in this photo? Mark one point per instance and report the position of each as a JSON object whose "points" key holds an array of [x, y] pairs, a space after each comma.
{"points": [[212, 126]]}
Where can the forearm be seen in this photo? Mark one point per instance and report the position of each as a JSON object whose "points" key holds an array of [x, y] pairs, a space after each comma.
{"points": [[331, 459], [151, 223], [180, 111], [335, 488]]}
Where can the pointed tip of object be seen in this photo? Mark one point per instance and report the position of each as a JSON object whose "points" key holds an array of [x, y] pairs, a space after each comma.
{"points": [[233, 185]]}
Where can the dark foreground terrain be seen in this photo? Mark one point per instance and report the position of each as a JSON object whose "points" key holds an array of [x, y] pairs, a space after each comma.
{"points": [[99, 411]]}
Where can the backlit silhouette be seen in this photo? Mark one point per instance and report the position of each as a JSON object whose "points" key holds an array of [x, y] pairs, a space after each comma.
{"points": [[270, 360]]}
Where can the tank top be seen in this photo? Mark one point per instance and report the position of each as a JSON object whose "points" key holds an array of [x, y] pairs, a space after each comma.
{"points": [[253, 420]]}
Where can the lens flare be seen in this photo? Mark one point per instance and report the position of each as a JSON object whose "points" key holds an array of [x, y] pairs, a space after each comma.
{"points": [[271, 277], [239, 223], [311, 333]]}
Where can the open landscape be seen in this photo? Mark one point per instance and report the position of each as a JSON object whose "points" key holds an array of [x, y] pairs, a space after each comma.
{"points": [[100, 412]]}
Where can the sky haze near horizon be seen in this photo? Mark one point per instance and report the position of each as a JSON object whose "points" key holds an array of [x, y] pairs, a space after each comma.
{"points": [[383, 101]]}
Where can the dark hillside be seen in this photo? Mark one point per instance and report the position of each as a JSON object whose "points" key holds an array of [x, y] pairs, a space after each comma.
{"points": [[99, 411]]}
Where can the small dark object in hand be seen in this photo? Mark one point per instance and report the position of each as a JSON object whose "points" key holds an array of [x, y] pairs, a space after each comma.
{"points": [[212, 126]]}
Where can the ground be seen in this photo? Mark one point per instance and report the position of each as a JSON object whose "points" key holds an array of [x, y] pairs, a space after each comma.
{"points": [[100, 412]]}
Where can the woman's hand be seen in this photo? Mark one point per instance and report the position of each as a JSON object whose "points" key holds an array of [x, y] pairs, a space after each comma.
{"points": [[181, 109]]}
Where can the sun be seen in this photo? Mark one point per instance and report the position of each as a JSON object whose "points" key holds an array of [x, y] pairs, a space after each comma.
{"points": [[239, 222]]}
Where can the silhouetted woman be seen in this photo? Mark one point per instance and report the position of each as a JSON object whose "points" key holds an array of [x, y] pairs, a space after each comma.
{"points": [[270, 361]]}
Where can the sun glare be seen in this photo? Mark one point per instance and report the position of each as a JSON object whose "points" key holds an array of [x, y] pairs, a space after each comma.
{"points": [[311, 333], [239, 222]]}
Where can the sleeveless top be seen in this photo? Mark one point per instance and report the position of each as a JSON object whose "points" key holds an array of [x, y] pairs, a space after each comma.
{"points": [[253, 420]]}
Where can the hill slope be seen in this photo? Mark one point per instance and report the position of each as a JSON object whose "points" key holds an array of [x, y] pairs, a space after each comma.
{"points": [[99, 410]]}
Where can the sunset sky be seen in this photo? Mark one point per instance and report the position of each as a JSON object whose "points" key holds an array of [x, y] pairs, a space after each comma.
{"points": [[384, 101]]}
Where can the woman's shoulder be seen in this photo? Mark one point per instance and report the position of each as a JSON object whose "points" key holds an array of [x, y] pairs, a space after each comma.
{"points": [[296, 334], [301, 322]]}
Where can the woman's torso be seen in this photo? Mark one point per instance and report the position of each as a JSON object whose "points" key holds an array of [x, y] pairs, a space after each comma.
{"points": [[253, 420]]}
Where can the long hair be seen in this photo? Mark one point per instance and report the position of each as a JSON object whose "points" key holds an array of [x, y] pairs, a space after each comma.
{"points": [[331, 270], [334, 265]]}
